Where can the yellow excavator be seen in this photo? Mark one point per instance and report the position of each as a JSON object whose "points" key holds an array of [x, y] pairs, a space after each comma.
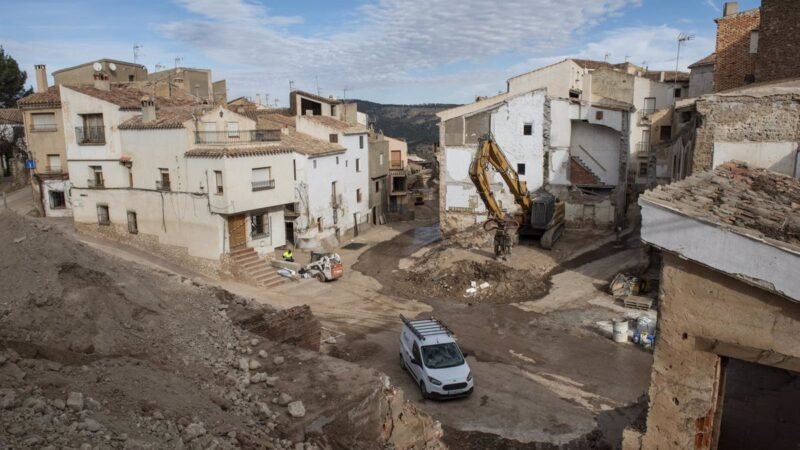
{"points": [[540, 215]]}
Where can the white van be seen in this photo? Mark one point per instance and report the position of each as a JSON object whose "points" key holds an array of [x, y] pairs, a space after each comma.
{"points": [[432, 357]]}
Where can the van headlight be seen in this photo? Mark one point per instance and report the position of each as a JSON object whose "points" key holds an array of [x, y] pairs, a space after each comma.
{"points": [[434, 381], [469, 376]]}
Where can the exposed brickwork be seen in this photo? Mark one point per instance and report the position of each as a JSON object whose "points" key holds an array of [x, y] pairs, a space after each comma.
{"points": [[735, 65], [772, 118], [779, 40], [578, 174]]}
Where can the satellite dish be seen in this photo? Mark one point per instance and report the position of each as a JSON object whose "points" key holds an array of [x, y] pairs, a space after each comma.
{"points": [[97, 67], [112, 66]]}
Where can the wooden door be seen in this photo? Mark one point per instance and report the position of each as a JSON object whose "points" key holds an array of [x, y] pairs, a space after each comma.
{"points": [[236, 231]]}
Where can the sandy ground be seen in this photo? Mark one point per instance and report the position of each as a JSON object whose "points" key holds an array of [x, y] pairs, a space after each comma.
{"points": [[544, 372]]}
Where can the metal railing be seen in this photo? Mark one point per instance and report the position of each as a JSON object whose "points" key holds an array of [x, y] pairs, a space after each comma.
{"points": [[644, 114], [396, 165], [234, 137], [43, 127], [263, 185], [94, 183], [643, 149], [90, 135], [53, 169], [163, 185]]}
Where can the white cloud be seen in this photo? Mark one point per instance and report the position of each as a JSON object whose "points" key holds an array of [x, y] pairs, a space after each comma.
{"points": [[713, 5]]}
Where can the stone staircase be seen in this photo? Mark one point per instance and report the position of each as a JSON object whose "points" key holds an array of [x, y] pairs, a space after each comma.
{"points": [[248, 265], [589, 172]]}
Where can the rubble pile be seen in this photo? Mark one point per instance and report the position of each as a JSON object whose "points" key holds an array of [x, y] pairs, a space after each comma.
{"points": [[477, 282], [99, 353]]}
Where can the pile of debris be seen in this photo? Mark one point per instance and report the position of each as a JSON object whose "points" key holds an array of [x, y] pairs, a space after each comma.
{"points": [[99, 353], [478, 282]]}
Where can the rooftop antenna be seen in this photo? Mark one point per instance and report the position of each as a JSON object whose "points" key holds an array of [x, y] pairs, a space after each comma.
{"points": [[178, 60], [276, 102], [316, 79], [291, 85], [607, 56], [627, 58], [160, 67], [682, 37], [344, 92], [266, 99], [136, 48]]}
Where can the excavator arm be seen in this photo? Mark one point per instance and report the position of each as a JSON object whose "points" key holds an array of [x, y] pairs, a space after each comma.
{"points": [[489, 154]]}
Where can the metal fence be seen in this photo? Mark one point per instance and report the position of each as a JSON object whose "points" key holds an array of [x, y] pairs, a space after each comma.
{"points": [[234, 137], [263, 185], [90, 135], [162, 185]]}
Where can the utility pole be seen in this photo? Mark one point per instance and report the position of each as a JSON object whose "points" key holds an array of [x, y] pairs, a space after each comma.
{"points": [[607, 56], [136, 48], [178, 60], [682, 37], [316, 79]]}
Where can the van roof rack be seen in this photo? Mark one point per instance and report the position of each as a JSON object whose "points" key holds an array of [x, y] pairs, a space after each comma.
{"points": [[423, 328]]}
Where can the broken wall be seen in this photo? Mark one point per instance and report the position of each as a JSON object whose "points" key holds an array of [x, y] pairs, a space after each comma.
{"points": [[704, 315], [771, 120]]}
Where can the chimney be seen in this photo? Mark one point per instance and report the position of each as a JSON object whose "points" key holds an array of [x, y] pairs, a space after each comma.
{"points": [[148, 110], [661, 78], [258, 99], [730, 8], [41, 78]]}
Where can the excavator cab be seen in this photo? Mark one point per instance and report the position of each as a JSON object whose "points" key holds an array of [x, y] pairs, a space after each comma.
{"points": [[542, 210]]}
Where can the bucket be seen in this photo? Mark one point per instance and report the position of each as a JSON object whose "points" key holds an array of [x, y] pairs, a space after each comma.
{"points": [[620, 330]]}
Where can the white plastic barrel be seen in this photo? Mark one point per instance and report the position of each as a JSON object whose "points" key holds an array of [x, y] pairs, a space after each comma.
{"points": [[620, 330]]}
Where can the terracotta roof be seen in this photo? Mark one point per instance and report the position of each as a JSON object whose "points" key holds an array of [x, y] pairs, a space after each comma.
{"points": [[291, 142], [669, 75], [747, 200], [709, 60], [166, 118], [315, 97], [128, 98], [337, 124], [10, 115], [592, 64], [270, 118], [51, 98]]}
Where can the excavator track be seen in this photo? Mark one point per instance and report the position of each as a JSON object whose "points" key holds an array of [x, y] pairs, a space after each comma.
{"points": [[550, 236]]}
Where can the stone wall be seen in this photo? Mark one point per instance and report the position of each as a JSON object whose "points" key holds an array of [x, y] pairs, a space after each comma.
{"points": [[296, 326], [771, 118], [779, 40], [703, 315], [735, 65]]}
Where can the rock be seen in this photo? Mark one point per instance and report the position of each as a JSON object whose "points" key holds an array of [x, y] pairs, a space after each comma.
{"points": [[296, 409], [8, 399], [20, 239], [254, 364], [11, 370], [93, 404], [272, 381], [59, 404], [263, 354], [278, 360], [330, 340], [263, 409], [32, 441], [86, 446], [35, 404], [284, 399], [193, 431], [93, 425], [54, 366], [158, 415], [75, 401], [253, 342], [244, 364], [259, 378]]}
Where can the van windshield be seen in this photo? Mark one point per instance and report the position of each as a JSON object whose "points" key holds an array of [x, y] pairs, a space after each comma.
{"points": [[441, 356]]}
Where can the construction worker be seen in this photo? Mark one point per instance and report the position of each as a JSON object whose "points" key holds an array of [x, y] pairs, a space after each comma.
{"points": [[288, 255]]}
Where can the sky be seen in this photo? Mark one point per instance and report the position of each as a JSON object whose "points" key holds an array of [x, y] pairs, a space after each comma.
{"points": [[388, 51]]}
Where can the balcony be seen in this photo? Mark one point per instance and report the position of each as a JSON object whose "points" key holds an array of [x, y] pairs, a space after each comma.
{"points": [[94, 183], [163, 185], [644, 115], [643, 150], [236, 137], [263, 185], [397, 165], [52, 170], [90, 135], [44, 127]]}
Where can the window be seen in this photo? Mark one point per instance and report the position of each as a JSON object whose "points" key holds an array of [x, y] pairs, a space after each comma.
{"points": [[57, 200], [686, 116], [677, 93], [262, 179], [574, 93], [259, 226], [337, 160], [233, 129], [315, 163], [54, 163], [294, 169], [380, 159], [361, 142], [163, 184], [377, 186], [93, 130], [218, 181], [754, 42], [521, 168], [527, 129], [598, 115], [133, 225], [358, 164], [102, 215], [319, 224], [396, 160], [43, 122], [649, 105], [358, 195], [130, 77], [334, 138], [642, 169], [130, 177], [97, 180], [345, 162], [666, 132]]}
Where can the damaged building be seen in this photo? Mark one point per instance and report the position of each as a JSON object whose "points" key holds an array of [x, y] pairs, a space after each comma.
{"points": [[584, 130], [726, 372]]}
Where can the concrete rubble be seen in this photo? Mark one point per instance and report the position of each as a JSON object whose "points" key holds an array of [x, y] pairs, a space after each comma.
{"points": [[120, 356]]}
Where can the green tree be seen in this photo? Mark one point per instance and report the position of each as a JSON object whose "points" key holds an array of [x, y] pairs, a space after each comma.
{"points": [[12, 81]]}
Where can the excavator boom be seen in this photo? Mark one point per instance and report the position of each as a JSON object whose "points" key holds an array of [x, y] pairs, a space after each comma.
{"points": [[489, 153]]}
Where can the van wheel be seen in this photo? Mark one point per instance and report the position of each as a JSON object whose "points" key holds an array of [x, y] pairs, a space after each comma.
{"points": [[423, 391]]}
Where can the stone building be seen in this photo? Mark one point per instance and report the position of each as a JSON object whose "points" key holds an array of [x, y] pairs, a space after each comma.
{"points": [[111, 70], [737, 45], [726, 370], [701, 76], [778, 41]]}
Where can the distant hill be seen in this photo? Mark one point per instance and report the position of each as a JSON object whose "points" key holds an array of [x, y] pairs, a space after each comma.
{"points": [[417, 124]]}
